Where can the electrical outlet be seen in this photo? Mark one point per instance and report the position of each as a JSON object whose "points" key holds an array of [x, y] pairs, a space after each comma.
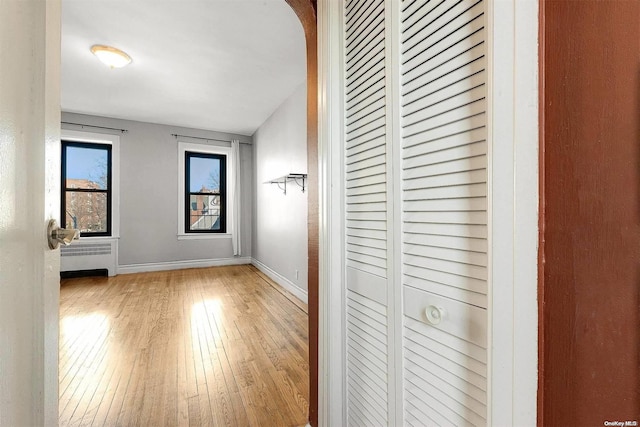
{"points": [[297, 274]]}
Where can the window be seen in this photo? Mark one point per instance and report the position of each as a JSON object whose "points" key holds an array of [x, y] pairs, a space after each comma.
{"points": [[87, 187], [205, 192], [206, 184]]}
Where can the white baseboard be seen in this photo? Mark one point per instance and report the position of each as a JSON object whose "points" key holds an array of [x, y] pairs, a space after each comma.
{"points": [[178, 265], [287, 284]]}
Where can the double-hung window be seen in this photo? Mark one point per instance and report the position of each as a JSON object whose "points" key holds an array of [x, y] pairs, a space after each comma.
{"points": [[206, 186], [87, 187], [205, 192]]}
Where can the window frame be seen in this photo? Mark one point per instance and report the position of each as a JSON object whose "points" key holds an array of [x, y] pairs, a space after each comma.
{"points": [[66, 143], [185, 145], [101, 138], [188, 155]]}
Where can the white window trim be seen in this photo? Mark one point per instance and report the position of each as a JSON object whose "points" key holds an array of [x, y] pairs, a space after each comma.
{"points": [[114, 141], [207, 149]]}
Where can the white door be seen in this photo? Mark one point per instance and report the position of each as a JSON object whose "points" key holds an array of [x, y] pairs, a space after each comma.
{"points": [[444, 211], [416, 212], [29, 196], [366, 196], [457, 240]]}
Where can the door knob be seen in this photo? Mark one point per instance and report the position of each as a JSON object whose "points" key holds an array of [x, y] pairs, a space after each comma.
{"points": [[434, 314], [57, 235]]}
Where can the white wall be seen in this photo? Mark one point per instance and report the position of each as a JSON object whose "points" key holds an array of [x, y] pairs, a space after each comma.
{"points": [[149, 193], [279, 220]]}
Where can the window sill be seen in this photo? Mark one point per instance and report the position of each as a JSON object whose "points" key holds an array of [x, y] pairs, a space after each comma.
{"points": [[98, 238], [204, 236]]}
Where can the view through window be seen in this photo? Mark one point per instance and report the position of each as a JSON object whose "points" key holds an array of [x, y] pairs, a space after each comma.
{"points": [[86, 187], [205, 191]]}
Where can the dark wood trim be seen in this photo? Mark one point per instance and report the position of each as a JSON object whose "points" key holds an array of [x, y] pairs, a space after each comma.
{"points": [[541, 213], [306, 11], [589, 298]]}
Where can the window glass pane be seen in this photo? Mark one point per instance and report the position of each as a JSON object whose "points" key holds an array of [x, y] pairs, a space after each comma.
{"points": [[87, 168], [86, 211], [204, 212], [204, 175]]}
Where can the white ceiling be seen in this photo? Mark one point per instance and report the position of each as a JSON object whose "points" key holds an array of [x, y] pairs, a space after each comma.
{"points": [[221, 65]]}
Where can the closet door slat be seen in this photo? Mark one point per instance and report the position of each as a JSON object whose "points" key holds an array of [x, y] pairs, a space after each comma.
{"points": [[366, 225], [443, 124]]}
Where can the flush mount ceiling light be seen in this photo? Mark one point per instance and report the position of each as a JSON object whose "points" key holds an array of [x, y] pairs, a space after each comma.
{"points": [[110, 56]]}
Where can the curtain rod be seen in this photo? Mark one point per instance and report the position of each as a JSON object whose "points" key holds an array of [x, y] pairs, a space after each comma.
{"points": [[92, 126], [207, 139]]}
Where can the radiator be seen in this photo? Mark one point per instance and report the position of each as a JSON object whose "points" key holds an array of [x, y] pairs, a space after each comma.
{"points": [[90, 255]]}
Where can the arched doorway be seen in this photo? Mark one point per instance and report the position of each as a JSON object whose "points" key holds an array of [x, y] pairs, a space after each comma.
{"points": [[306, 11]]}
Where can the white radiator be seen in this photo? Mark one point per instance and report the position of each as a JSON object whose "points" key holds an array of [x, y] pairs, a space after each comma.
{"points": [[90, 254]]}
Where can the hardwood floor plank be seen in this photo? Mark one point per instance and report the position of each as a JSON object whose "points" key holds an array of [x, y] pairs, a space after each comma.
{"points": [[218, 346]]}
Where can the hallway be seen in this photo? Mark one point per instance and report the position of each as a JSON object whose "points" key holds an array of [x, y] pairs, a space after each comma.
{"points": [[201, 347]]}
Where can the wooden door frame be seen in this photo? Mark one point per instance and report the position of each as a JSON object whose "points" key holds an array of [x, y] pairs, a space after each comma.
{"points": [[306, 12], [541, 213], [577, 372]]}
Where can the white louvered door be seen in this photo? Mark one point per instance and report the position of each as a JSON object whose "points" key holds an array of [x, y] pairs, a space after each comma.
{"points": [[430, 137], [366, 212], [444, 204]]}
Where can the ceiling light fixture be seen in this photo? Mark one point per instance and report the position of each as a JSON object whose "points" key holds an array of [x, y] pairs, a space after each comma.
{"points": [[110, 56]]}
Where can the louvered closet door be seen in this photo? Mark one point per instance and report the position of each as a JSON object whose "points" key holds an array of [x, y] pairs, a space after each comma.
{"points": [[366, 206], [444, 218]]}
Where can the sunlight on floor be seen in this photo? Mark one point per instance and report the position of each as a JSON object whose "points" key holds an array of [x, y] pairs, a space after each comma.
{"points": [[197, 347]]}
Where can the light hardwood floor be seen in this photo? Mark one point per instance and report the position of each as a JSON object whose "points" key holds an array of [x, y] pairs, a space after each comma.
{"points": [[201, 347]]}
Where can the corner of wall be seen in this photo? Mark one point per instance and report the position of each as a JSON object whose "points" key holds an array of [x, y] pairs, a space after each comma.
{"points": [[285, 283]]}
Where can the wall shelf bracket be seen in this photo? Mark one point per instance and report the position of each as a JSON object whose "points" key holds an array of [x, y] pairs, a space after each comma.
{"points": [[300, 179]]}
